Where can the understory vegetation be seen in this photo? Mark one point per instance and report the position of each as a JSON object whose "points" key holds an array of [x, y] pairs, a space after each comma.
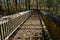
{"points": [[8, 7]]}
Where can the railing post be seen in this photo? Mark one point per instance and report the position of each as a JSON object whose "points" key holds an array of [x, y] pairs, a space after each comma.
{"points": [[1, 28], [0, 33]]}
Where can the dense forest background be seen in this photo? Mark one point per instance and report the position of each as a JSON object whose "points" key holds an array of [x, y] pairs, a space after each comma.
{"points": [[8, 7]]}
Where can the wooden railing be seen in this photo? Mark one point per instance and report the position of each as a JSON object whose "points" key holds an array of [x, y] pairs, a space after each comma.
{"points": [[52, 23], [9, 24]]}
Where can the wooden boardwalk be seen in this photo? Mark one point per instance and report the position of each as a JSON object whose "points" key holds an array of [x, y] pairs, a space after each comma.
{"points": [[30, 29]]}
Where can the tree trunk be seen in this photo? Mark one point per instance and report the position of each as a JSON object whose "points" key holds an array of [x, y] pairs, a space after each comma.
{"points": [[37, 4], [29, 4], [26, 4]]}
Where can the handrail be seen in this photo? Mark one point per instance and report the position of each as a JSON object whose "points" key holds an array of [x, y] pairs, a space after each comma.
{"points": [[52, 23], [52, 17], [9, 24]]}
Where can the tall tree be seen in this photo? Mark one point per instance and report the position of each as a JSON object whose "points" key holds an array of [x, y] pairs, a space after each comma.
{"points": [[37, 4], [0, 7], [29, 4], [16, 4], [8, 1], [26, 4], [49, 3]]}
